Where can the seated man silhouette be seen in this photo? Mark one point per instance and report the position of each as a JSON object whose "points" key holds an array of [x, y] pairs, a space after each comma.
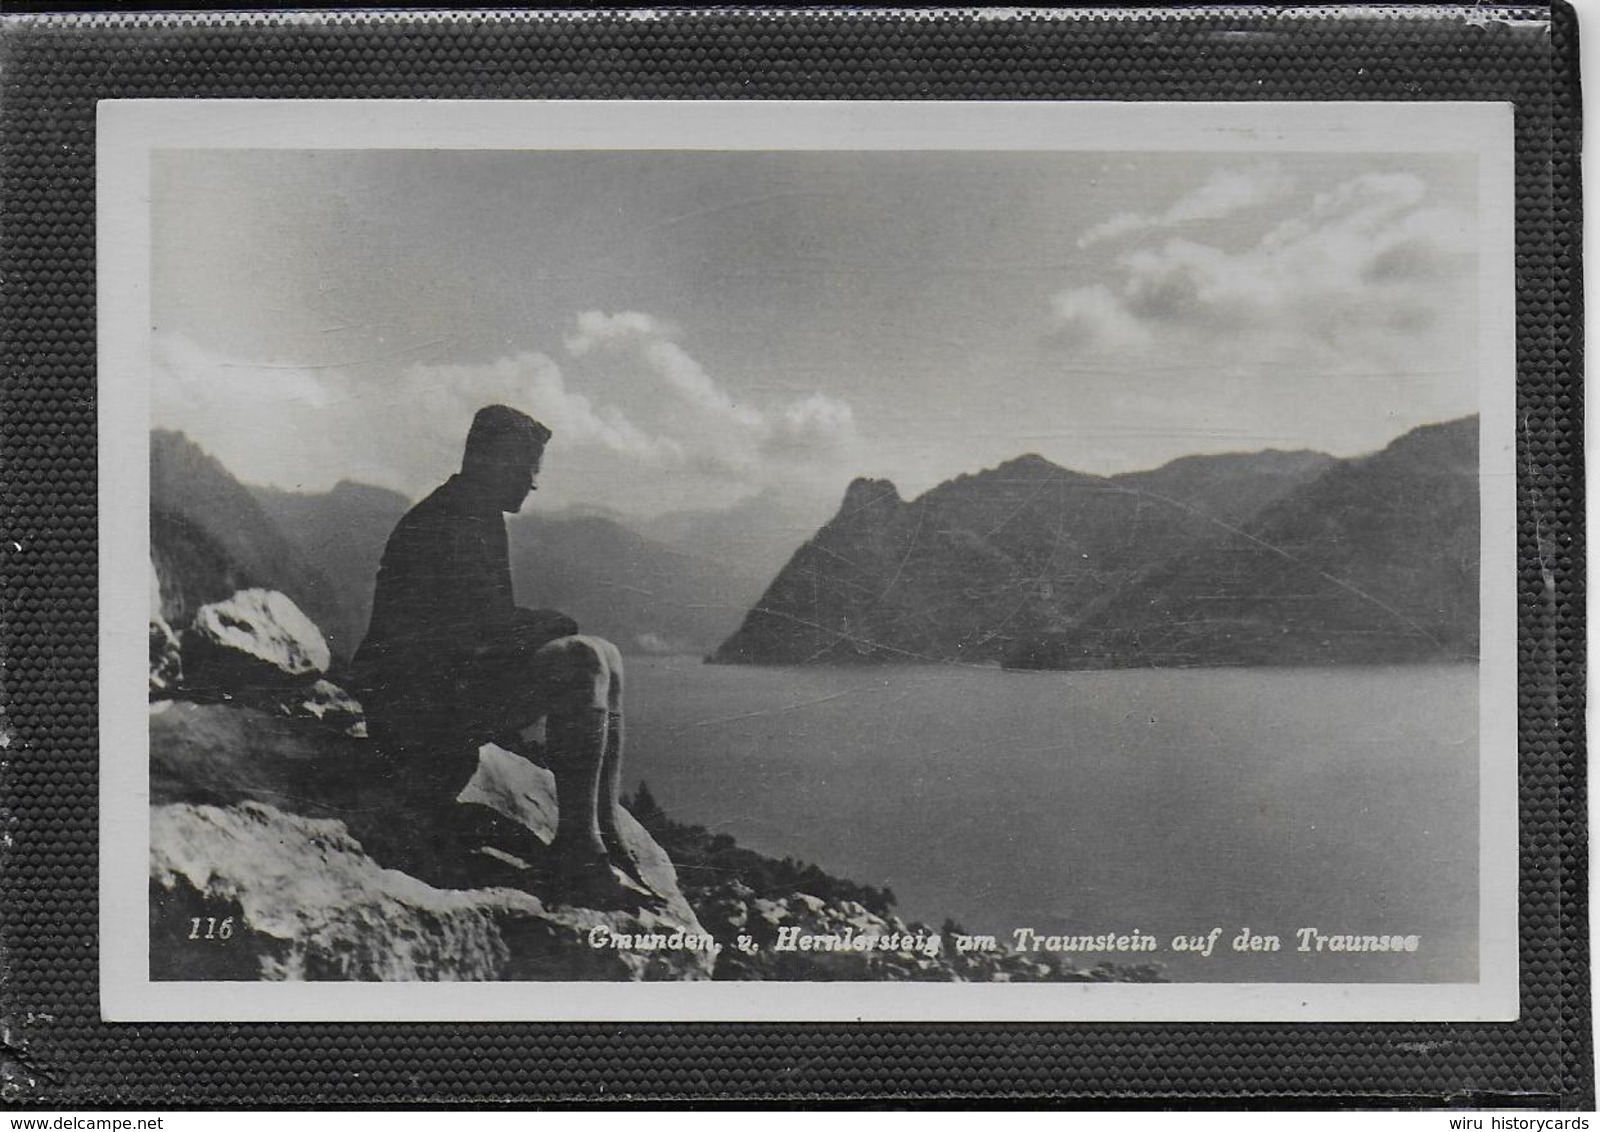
{"points": [[450, 662]]}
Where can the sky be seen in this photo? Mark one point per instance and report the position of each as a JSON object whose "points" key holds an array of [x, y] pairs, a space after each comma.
{"points": [[699, 328]]}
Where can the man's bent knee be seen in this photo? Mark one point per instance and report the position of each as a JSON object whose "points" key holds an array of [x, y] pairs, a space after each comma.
{"points": [[613, 659], [578, 672]]}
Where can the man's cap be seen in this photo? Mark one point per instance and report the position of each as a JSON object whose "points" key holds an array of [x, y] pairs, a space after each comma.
{"points": [[495, 426]]}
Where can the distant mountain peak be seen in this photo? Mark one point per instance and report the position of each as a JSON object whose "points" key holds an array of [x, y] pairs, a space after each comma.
{"points": [[866, 494], [210, 536], [175, 450], [1029, 464], [1265, 459], [357, 488], [1454, 442]]}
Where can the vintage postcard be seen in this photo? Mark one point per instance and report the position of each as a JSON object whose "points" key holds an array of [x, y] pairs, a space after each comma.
{"points": [[935, 561]]}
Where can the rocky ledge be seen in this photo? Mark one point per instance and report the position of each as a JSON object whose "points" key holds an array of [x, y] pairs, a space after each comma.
{"points": [[280, 849], [274, 826]]}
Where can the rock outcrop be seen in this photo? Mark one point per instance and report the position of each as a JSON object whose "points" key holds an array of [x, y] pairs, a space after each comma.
{"points": [[255, 639], [870, 948], [329, 704], [291, 834], [283, 847], [166, 659], [788, 920]]}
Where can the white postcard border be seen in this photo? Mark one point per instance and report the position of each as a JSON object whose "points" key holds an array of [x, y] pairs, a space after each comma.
{"points": [[130, 130]]}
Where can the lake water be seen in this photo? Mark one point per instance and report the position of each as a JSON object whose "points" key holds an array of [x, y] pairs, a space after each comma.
{"points": [[1174, 802]]}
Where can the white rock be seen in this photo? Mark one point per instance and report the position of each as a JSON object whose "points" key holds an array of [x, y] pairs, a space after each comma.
{"points": [[290, 828], [306, 903], [166, 664], [329, 703], [804, 900], [264, 626], [526, 794]]}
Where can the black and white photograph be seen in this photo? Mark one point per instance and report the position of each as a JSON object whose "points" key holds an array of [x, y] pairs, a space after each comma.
{"points": [[981, 562]]}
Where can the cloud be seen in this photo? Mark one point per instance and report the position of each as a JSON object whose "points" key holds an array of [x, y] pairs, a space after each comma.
{"points": [[815, 422], [1336, 326], [268, 422], [652, 341], [535, 384], [1228, 191], [639, 424], [1100, 317], [730, 435], [1369, 274]]}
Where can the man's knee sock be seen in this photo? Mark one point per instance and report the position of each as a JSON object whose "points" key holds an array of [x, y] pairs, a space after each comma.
{"points": [[611, 776], [575, 749]]}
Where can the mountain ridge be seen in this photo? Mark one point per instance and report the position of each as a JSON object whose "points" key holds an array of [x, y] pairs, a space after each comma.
{"points": [[1007, 565], [1026, 564], [212, 535], [1349, 545]]}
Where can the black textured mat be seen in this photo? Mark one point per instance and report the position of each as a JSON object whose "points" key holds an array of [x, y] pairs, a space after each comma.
{"points": [[55, 1049]]}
